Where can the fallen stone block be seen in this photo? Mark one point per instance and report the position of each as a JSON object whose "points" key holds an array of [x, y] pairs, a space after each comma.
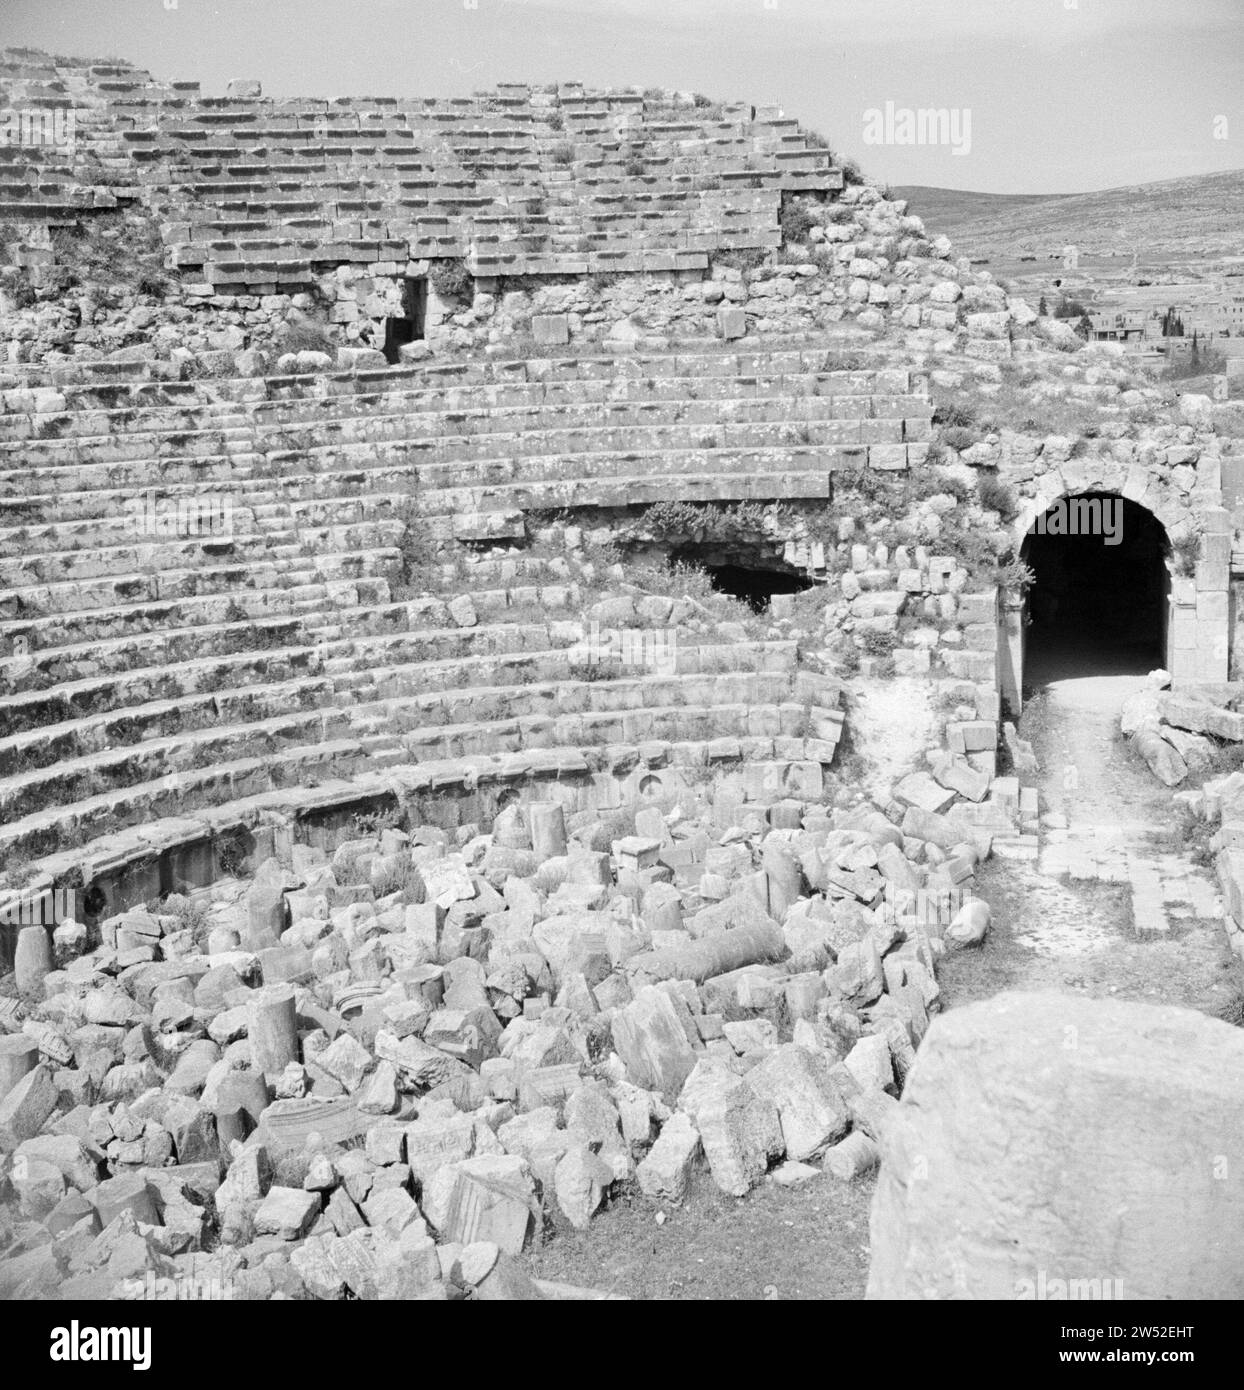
{"points": [[851, 1158], [811, 1109], [26, 1108], [740, 1130], [487, 1198], [1162, 758], [716, 953], [652, 1043], [1067, 1140], [665, 1174], [286, 1212], [579, 1184], [19, 1055]]}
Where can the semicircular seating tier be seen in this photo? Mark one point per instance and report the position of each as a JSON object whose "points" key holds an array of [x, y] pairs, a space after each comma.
{"points": [[165, 685], [259, 194]]}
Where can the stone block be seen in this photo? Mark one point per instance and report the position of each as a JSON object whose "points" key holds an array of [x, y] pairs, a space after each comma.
{"points": [[489, 1198], [19, 1055], [650, 1039], [740, 1130], [1113, 1112], [26, 1108], [286, 1212], [665, 1174], [550, 330], [731, 322], [811, 1108]]}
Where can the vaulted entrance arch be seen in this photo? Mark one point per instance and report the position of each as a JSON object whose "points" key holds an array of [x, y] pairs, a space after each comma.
{"points": [[1100, 599], [1100, 602]]}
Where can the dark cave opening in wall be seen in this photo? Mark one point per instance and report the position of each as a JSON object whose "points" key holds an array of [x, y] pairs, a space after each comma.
{"points": [[1098, 603], [745, 577]]}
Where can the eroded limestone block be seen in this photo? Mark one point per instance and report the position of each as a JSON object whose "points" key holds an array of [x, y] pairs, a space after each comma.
{"points": [[1041, 1134]]}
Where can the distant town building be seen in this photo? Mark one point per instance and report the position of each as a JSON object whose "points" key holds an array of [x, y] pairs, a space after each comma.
{"points": [[1119, 326]]}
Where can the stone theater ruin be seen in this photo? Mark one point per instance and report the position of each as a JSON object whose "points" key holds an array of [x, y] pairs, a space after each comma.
{"points": [[512, 616]]}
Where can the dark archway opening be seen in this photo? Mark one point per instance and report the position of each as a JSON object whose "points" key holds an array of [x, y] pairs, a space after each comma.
{"points": [[754, 585], [409, 328], [1098, 604]]}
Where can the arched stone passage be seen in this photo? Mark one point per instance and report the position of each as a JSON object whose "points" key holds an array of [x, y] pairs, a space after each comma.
{"points": [[1100, 601]]}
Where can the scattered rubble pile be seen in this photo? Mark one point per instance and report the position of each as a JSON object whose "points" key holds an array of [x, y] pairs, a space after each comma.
{"points": [[376, 1074], [1178, 732]]}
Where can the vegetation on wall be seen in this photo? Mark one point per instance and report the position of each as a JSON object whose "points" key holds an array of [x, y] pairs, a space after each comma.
{"points": [[452, 281]]}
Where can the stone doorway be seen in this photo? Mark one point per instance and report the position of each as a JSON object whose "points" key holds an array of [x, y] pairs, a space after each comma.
{"points": [[408, 328], [1100, 601]]}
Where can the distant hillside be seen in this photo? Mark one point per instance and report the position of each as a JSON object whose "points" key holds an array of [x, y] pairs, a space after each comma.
{"points": [[1204, 214]]}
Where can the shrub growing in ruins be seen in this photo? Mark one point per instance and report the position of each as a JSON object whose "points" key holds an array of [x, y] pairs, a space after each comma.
{"points": [[452, 281], [1185, 552], [745, 260], [635, 167], [796, 222], [956, 437], [418, 552], [562, 153], [120, 253], [851, 172], [957, 414], [305, 336], [995, 496], [703, 521], [875, 642]]}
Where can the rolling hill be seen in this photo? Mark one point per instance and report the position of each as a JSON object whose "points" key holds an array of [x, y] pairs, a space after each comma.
{"points": [[1203, 215]]}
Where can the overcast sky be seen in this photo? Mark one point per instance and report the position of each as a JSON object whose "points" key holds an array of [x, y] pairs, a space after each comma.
{"points": [[1055, 95]]}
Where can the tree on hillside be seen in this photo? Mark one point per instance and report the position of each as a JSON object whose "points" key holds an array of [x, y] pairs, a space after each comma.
{"points": [[1172, 324]]}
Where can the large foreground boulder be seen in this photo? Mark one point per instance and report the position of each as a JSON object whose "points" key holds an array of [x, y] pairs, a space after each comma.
{"points": [[1049, 1146]]}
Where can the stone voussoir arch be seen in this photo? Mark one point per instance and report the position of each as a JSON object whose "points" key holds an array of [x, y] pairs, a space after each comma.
{"points": [[1198, 638], [1176, 517]]}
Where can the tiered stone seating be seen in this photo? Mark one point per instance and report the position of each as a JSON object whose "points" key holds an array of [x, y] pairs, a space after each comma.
{"points": [[519, 181], [159, 689]]}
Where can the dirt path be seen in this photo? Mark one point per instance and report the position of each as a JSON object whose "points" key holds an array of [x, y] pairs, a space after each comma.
{"points": [[1113, 905]]}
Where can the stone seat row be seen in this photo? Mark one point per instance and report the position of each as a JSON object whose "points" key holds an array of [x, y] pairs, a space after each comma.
{"points": [[92, 415], [150, 586], [57, 765], [111, 488], [170, 738], [367, 491], [150, 460], [137, 863], [119, 406], [153, 382], [315, 239], [506, 433], [58, 685], [136, 391], [766, 731]]}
